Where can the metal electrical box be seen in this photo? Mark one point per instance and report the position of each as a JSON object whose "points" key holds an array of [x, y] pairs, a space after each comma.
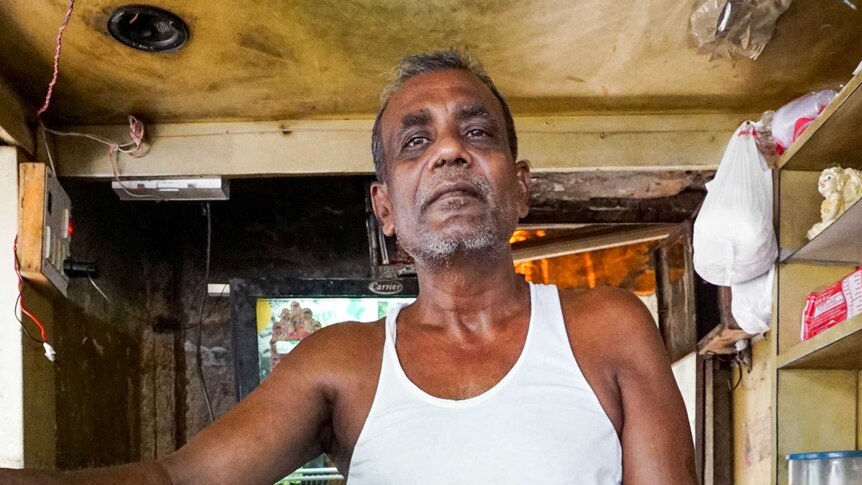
{"points": [[45, 226]]}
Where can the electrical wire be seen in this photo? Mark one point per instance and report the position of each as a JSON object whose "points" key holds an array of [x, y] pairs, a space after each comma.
{"points": [[56, 74], [47, 148], [136, 133], [212, 309], [131, 148], [21, 322], [136, 128], [90, 277], [111, 302], [20, 301], [207, 213], [50, 353]]}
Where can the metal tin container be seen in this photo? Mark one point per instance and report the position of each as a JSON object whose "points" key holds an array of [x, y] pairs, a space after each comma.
{"points": [[826, 468]]}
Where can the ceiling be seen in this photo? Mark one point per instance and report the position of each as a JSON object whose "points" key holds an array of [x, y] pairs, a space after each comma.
{"points": [[301, 59]]}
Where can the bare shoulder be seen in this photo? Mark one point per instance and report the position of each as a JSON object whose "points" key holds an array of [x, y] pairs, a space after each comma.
{"points": [[342, 346], [325, 366], [614, 308], [612, 321], [622, 356]]}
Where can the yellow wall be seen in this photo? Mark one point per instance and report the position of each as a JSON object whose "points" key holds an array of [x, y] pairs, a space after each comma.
{"points": [[753, 418]]}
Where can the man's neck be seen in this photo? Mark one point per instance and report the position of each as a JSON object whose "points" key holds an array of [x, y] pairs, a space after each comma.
{"points": [[470, 300]]}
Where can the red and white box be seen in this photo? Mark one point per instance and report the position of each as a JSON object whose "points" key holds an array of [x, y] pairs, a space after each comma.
{"points": [[831, 306]]}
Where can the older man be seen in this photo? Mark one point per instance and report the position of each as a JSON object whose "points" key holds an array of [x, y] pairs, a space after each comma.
{"points": [[485, 379]]}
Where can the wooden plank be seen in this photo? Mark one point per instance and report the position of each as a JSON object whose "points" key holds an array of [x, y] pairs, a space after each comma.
{"points": [[799, 208], [859, 409], [721, 432], [753, 418], [667, 142], [675, 293], [723, 337], [795, 282], [611, 237], [816, 412], [14, 117], [721, 340], [839, 347], [833, 136], [831, 244], [31, 218], [675, 209]]}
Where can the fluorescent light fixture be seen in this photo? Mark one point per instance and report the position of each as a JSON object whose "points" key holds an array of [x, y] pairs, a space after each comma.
{"points": [[211, 188]]}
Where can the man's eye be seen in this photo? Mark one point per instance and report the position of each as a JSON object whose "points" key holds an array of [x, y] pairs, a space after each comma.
{"points": [[416, 141], [476, 133]]}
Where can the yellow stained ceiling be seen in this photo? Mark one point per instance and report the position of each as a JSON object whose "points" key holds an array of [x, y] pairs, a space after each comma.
{"points": [[269, 60]]}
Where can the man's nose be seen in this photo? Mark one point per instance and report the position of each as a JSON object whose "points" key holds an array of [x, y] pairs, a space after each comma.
{"points": [[451, 151]]}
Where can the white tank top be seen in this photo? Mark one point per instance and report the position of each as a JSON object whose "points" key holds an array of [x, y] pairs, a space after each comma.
{"points": [[541, 424]]}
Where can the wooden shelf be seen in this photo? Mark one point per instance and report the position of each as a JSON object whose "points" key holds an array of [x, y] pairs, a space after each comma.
{"points": [[816, 391], [832, 137], [839, 243], [839, 347]]}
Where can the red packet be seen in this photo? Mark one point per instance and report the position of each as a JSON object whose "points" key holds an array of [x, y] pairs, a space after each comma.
{"points": [[831, 306]]}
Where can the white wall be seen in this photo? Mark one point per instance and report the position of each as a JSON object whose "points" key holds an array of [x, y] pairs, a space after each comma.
{"points": [[684, 371], [11, 370]]}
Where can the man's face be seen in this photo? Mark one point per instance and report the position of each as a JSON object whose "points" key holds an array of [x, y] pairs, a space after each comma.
{"points": [[452, 186]]}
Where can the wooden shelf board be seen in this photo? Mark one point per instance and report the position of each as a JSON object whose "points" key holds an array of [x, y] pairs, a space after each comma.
{"points": [[838, 243], [832, 137], [839, 347]]}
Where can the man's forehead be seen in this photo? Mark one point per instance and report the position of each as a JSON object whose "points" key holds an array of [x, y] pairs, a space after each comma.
{"points": [[456, 89]]}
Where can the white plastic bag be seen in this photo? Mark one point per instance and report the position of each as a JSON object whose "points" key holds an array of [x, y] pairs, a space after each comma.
{"points": [[734, 240], [794, 117], [751, 303]]}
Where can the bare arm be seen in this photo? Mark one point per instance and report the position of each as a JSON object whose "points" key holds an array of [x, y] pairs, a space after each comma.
{"points": [[272, 432], [656, 438]]}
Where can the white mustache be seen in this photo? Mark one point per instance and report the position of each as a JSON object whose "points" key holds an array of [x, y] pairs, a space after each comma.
{"points": [[479, 185]]}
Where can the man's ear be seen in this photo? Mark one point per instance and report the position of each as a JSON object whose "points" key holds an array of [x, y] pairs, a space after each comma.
{"points": [[522, 179], [382, 206]]}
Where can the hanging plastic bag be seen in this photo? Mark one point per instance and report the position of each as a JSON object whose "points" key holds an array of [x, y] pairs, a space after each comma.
{"points": [[734, 28], [734, 240], [794, 117], [751, 303]]}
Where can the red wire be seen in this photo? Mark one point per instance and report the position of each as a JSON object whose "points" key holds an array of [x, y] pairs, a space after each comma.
{"points": [[57, 58], [21, 291]]}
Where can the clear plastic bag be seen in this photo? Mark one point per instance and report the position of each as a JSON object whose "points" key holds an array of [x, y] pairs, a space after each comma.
{"points": [[734, 28], [734, 240]]}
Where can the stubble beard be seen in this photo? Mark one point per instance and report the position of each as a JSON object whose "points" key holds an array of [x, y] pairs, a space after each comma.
{"points": [[483, 243]]}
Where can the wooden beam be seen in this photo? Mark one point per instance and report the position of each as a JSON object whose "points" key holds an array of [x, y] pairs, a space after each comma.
{"points": [[14, 115], [673, 209], [607, 238], [642, 142], [718, 424]]}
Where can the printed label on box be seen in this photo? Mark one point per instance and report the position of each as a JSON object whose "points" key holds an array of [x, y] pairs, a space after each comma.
{"points": [[832, 305]]}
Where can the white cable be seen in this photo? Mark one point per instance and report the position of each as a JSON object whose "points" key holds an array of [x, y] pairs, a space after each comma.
{"points": [[48, 148], [90, 277], [199, 365]]}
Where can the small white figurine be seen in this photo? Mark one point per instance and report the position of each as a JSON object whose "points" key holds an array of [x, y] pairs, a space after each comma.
{"points": [[841, 187]]}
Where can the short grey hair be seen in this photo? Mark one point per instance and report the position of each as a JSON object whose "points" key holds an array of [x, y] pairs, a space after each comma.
{"points": [[414, 65]]}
